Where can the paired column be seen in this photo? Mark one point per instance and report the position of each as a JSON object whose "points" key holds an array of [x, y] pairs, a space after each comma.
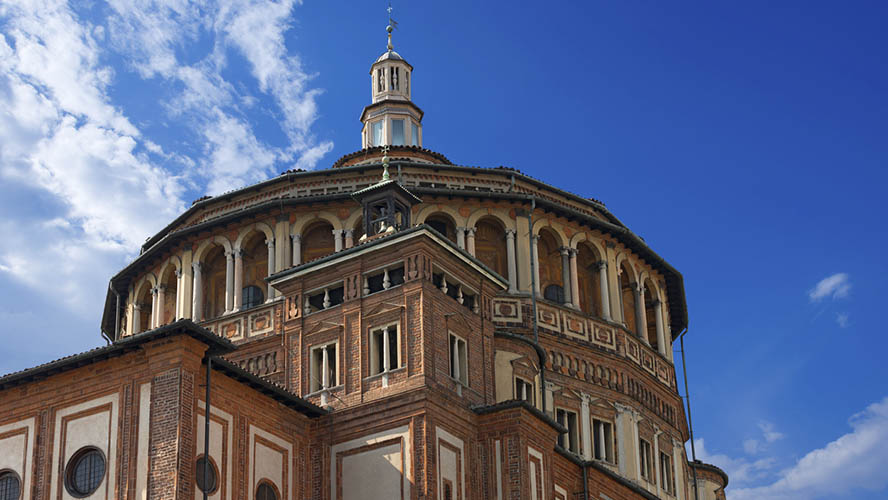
{"points": [[296, 243], [640, 329], [605, 294], [510, 261], [470, 240], [337, 240], [229, 281], [574, 280], [179, 283], [566, 286], [269, 296], [237, 284], [137, 318], [197, 292], [661, 333], [535, 262], [159, 304]]}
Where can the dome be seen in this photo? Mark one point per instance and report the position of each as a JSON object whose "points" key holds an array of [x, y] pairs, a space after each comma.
{"points": [[389, 55]]}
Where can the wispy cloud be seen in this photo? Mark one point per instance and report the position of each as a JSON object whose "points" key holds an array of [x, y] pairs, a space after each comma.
{"points": [[769, 434], [853, 462], [842, 319], [740, 470], [836, 286]]}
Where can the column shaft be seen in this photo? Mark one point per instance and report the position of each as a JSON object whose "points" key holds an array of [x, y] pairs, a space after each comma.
{"points": [[337, 240], [461, 237], [229, 282], [349, 238], [269, 296], [137, 319], [605, 293], [535, 262], [161, 303], [640, 329], [238, 284], [585, 428], [510, 261], [197, 293], [574, 279], [566, 285], [661, 336], [297, 249], [470, 240]]}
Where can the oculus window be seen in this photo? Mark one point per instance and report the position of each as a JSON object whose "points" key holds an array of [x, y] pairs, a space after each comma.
{"points": [[85, 472], [10, 485]]}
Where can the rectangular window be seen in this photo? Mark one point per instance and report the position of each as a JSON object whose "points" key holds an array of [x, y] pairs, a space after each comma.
{"points": [[644, 459], [378, 140], [603, 440], [414, 135], [523, 390], [323, 367], [666, 473], [384, 355], [397, 132], [459, 366], [570, 440]]}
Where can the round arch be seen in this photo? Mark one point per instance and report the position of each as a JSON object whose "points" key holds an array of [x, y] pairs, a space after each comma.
{"points": [[247, 230], [304, 222], [493, 213], [539, 224], [425, 212], [207, 244]]}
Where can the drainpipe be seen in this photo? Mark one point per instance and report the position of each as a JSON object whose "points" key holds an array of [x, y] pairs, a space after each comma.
{"points": [[206, 471], [684, 369], [585, 482], [533, 301]]}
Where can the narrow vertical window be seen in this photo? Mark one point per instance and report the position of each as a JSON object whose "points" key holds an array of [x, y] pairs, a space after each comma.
{"points": [[377, 133], [603, 440], [666, 473], [570, 440], [407, 82], [380, 80], [414, 135], [397, 132], [458, 362], [645, 456], [323, 367], [384, 350]]}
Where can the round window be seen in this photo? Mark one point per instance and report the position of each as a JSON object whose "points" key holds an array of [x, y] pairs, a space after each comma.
{"points": [[10, 485], [266, 491], [206, 483], [85, 472]]}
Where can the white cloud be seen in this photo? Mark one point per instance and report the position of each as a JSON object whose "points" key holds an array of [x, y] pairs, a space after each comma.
{"points": [[739, 470], [842, 319], [854, 461], [97, 186], [769, 435], [836, 286]]}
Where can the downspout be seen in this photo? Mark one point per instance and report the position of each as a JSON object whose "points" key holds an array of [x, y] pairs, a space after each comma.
{"points": [[206, 471], [533, 301], [585, 482], [684, 369]]}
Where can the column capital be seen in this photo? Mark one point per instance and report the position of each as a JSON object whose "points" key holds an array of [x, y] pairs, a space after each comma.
{"points": [[461, 228], [178, 273], [296, 237], [510, 233], [197, 266], [585, 397], [470, 231], [269, 242], [337, 232], [565, 251], [656, 303], [535, 238], [349, 232], [572, 252], [137, 307], [602, 265]]}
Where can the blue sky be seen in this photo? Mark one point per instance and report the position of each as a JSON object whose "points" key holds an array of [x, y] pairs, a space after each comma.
{"points": [[745, 141]]}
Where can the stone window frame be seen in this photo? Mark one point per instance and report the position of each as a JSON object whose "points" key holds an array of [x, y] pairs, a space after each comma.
{"points": [[610, 445], [645, 457], [463, 365], [313, 364], [529, 390], [400, 362], [666, 472], [572, 440]]}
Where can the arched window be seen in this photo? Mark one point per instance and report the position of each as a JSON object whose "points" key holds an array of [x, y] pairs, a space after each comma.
{"points": [[627, 297], [85, 472], [490, 246], [650, 297], [266, 491], [317, 241], [588, 279], [550, 264], [10, 485], [214, 282], [442, 224], [168, 280], [252, 296]]}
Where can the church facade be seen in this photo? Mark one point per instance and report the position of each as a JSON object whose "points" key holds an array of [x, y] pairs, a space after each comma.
{"points": [[395, 326]]}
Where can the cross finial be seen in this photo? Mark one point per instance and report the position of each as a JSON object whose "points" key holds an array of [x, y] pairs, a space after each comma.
{"points": [[391, 26]]}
